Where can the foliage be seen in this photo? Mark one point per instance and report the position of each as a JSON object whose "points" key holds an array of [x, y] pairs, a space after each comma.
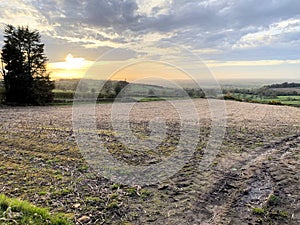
{"points": [[270, 91], [119, 87], [273, 102], [151, 93], [277, 94], [285, 85], [2, 93], [195, 93], [151, 99], [26, 80], [64, 95], [231, 97], [107, 91]]}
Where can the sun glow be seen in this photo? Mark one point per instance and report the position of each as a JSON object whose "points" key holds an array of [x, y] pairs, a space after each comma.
{"points": [[73, 63], [72, 67]]}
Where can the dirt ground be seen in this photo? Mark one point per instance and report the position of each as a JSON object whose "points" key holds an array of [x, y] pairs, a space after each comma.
{"points": [[254, 178]]}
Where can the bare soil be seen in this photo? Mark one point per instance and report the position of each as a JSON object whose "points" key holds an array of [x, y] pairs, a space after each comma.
{"points": [[253, 180]]}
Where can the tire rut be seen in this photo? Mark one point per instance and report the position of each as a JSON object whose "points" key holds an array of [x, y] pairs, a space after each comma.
{"points": [[228, 197], [233, 198]]}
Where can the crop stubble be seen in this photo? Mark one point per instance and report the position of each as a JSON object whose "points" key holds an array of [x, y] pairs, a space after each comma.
{"points": [[259, 159]]}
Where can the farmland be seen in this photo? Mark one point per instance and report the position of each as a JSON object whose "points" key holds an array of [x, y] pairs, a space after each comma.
{"points": [[275, 94], [253, 179], [291, 100]]}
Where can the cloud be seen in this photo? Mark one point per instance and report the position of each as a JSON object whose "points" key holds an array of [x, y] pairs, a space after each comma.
{"points": [[251, 63], [20, 13], [280, 32], [261, 13], [153, 7], [112, 14], [217, 23], [223, 30]]}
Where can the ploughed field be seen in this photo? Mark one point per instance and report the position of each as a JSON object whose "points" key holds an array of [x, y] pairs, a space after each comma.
{"points": [[254, 178]]}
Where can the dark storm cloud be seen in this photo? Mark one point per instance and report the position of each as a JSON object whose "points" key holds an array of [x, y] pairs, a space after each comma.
{"points": [[200, 15], [111, 13], [100, 13]]}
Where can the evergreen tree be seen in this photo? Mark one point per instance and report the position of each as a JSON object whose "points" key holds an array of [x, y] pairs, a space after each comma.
{"points": [[26, 80]]}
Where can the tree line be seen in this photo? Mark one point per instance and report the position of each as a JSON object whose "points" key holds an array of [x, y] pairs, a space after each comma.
{"points": [[269, 91], [285, 85], [109, 90]]}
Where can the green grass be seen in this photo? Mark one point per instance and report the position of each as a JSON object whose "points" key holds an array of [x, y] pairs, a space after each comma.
{"points": [[14, 211], [113, 205], [273, 199], [62, 91], [289, 97], [151, 99], [291, 100], [259, 211], [131, 191], [116, 186]]}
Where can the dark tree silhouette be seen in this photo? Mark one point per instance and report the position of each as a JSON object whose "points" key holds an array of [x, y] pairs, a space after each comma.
{"points": [[26, 80], [151, 93], [119, 86]]}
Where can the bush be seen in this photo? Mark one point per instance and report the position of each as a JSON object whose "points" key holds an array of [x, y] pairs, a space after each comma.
{"points": [[273, 102], [63, 95], [2, 95], [231, 97]]}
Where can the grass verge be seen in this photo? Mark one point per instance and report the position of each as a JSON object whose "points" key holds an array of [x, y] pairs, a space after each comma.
{"points": [[14, 211]]}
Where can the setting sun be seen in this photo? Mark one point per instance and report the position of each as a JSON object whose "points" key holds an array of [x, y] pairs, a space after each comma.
{"points": [[72, 67], [73, 63]]}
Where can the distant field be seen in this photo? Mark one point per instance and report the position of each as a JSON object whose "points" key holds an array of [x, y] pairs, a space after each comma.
{"points": [[292, 100], [90, 89], [289, 98], [286, 90]]}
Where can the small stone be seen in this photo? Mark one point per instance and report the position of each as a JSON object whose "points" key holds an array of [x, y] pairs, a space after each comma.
{"points": [[246, 191], [163, 186], [76, 205], [84, 219]]}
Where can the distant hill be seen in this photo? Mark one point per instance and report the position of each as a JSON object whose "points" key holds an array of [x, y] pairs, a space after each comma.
{"points": [[107, 87], [284, 88], [284, 85]]}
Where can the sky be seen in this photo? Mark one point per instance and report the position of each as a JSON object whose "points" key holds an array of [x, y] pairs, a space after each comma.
{"points": [[134, 39]]}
